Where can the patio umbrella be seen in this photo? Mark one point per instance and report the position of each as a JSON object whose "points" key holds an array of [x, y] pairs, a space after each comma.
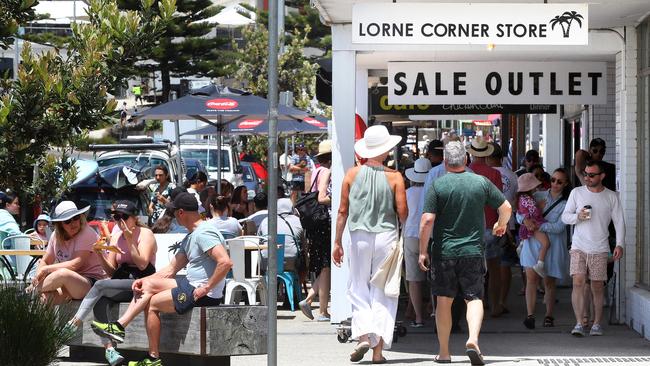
{"points": [[261, 127], [218, 106]]}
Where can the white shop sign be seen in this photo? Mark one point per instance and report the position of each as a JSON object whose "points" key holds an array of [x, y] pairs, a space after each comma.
{"points": [[497, 82], [475, 23]]}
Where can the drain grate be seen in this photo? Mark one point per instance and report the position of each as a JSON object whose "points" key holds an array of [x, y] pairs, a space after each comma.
{"points": [[578, 361]]}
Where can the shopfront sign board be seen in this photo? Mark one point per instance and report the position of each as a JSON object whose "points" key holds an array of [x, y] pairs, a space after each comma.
{"points": [[497, 83], [379, 105], [470, 23]]}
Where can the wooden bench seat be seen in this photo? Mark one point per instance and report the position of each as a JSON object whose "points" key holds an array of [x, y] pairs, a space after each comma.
{"points": [[209, 335]]}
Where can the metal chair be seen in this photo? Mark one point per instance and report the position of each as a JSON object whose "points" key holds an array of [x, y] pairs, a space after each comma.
{"points": [[22, 263]]}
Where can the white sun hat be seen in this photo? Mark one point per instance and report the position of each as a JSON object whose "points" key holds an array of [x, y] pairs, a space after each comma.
{"points": [[66, 210], [418, 173], [376, 141]]}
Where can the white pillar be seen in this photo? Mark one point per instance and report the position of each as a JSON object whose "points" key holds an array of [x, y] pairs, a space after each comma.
{"points": [[552, 135], [344, 107]]}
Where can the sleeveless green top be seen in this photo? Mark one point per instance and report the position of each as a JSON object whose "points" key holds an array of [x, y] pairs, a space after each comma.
{"points": [[372, 203]]}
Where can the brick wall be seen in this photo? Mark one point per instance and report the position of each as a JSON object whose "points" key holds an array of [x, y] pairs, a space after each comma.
{"points": [[602, 118]]}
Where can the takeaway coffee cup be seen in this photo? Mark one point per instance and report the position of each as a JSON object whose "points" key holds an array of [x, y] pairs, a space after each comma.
{"points": [[587, 209]]}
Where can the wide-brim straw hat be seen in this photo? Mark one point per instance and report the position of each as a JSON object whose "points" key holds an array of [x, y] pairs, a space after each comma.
{"points": [[67, 210], [418, 173], [527, 182], [325, 147], [480, 148], [376, 141]]}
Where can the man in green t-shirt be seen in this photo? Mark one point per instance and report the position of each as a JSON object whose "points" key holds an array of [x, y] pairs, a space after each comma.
{"points": [[455, 202]]}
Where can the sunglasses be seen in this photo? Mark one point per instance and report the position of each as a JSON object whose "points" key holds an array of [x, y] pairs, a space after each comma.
{"points": [[597, 151], [558, 181], [68, 221], [592, 175], [120, 216]]}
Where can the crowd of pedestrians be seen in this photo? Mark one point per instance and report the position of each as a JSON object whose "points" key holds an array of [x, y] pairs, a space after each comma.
{"points": [[464, 222]]}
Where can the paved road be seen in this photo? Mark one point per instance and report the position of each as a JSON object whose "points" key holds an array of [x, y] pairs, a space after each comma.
{"points": [[504, 341]]}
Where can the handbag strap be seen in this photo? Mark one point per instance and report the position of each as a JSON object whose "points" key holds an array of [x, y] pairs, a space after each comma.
{"points": [[314, 181], [552, 207]]}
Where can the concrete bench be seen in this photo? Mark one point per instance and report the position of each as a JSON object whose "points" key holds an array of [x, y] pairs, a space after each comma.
{"points": [[204, 336]]}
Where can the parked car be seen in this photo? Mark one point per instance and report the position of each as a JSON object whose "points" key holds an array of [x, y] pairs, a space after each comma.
{"points": [[141, 154], [250, 179], [210, 155]]}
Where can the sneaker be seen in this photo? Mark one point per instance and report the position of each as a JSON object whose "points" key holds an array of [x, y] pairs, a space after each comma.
{"points": [[306, 309], [113, 357], [596, 330], [539, 268], [323, 318], [110, 330], [578, 331], [415, 324], [529, 322], [146, 362]]}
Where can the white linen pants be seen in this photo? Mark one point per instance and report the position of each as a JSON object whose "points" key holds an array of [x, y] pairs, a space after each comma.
{"points": [[373, 313]]}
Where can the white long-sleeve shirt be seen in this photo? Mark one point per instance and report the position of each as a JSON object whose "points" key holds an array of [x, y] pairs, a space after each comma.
{"points": [[591, 236]]}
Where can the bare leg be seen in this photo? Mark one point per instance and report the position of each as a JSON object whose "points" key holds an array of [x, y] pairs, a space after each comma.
{"points": [[531, 290], [577, 297], [588, 312], [443, 325], [160, 302], [549, 296], [376, 351], [72, 283], [506, 280], [324, 290], [598, 290], [542, 238], [150, 287], [494, 284], [474, 321], [415, 293]]}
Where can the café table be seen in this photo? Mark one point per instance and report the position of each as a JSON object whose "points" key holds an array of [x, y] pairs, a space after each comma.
{"points": [[36, 254]]}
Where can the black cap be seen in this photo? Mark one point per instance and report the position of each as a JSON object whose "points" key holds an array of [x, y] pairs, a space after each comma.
{"points": [[185, 201], [435, 144], [175, 192], [126, 207]]}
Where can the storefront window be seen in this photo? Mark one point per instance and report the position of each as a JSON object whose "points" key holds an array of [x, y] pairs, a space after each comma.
{"points": [[643, 234]]}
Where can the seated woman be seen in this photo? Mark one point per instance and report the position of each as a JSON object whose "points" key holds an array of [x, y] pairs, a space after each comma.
{"points": [[130, 255], [69, 267], [239, 204], [229, 227], [9, 206]]}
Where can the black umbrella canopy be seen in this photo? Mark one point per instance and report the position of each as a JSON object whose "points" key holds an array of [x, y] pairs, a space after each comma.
{"points": [[210, 103], [250, 126]]}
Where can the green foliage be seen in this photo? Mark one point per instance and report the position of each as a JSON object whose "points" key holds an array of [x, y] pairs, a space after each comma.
{"points": [[56, 175], [13, 13], [186, 47], [296, 73], [307, 21], [153, 125], [58, 96], [31, 332]]}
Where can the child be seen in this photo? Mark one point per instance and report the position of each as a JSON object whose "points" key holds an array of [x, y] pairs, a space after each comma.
{"points": [[41, 229], [527, 184]]}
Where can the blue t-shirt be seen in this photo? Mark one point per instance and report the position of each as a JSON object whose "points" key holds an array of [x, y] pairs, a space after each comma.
{"points": [[195, 246], [296, 160]]}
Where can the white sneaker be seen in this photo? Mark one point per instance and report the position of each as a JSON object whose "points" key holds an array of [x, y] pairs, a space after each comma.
{"points": [[578, 331], [539, 269], [596, 330]]}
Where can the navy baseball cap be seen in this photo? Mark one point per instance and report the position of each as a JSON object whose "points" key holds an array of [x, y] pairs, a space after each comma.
{"points": [[185, 201]]}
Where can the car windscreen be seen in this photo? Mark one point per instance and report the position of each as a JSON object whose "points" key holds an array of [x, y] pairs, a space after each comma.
{"points": [[209, 158], [101, 201], [248, 174], [128, 160]]}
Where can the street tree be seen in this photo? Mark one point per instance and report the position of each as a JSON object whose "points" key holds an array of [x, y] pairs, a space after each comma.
{"points": [[13, 13], [60, 94], [188, 46]]}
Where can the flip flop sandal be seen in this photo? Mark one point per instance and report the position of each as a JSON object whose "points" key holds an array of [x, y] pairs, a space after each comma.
{"points": [[437, 360], [549, 322], [379, 362], [475, 357], [359, 351]]}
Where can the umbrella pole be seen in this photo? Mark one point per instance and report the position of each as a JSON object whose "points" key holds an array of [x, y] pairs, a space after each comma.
{"points": [[286, 158], [219, 121], [179, 160], [272, 161]]}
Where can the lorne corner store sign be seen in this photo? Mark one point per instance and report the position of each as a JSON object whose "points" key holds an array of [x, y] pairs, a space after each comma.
{"points": [[497, 82], [476, 23]]}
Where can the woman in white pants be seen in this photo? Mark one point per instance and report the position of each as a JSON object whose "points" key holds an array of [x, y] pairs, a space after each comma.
{"points": [[372, 200]]}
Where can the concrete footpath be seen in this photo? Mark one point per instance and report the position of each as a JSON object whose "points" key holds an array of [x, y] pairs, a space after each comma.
{"points": [[504, 341]]}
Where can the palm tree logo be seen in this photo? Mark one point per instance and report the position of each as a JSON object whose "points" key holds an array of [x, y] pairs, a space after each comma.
{"points": [[565, 21]]}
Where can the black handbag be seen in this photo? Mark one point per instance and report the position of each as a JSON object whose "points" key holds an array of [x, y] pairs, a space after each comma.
{"points": [[312, 214]]}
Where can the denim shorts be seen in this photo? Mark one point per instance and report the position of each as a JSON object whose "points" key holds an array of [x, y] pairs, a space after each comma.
{"points": [[464, 276], [183, 297]]}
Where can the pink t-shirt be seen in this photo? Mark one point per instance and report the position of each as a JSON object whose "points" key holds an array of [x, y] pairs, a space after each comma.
{"points": [[126, 257], [83, 241], [317, 175]]}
